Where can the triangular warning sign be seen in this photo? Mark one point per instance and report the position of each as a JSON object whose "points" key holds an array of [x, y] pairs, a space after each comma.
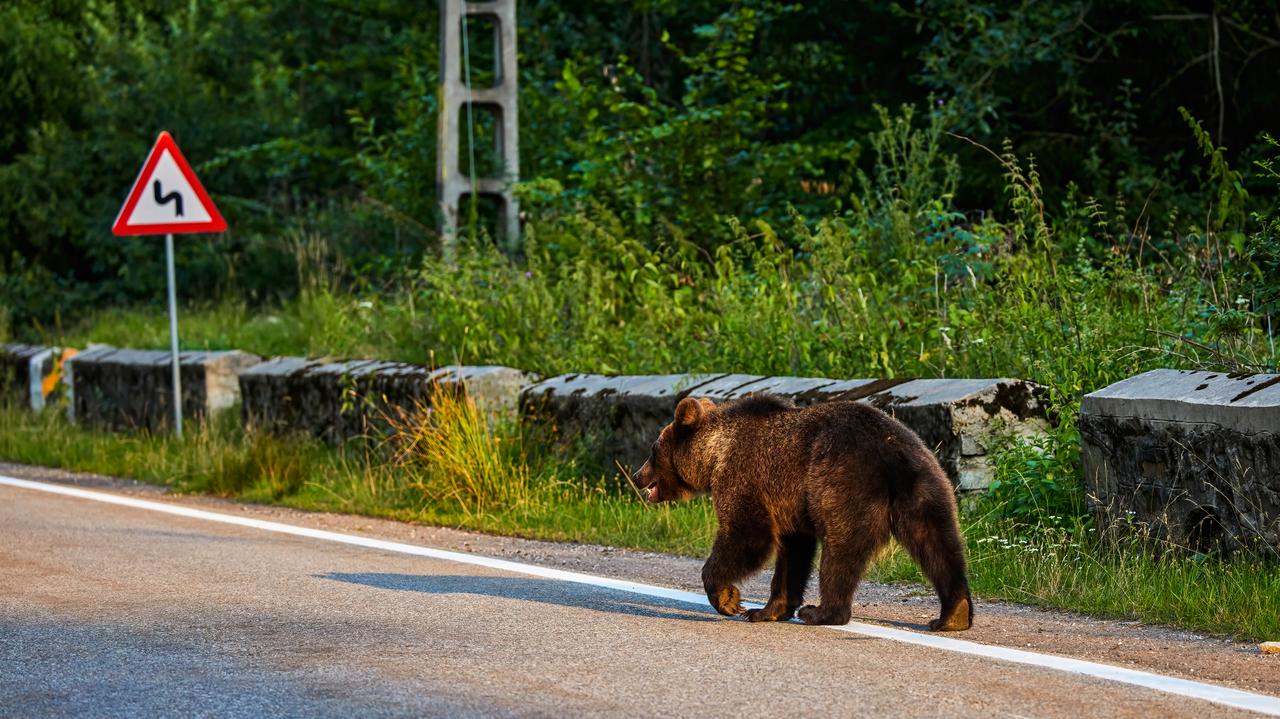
{"points": [[167, 197]]}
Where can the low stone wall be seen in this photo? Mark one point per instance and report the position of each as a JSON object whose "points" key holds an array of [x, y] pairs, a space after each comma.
{"points": [[1194, 456], [23, 370], [619, 416], [133, 389], [338, 400]]}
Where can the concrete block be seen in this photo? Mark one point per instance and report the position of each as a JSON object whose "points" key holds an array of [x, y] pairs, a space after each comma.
{"points": [[617, 416], [23, 370], [265, 399], [338, 400], [620, 416], [495, 388], [133, 389], [960, 419], [1192, 456]]}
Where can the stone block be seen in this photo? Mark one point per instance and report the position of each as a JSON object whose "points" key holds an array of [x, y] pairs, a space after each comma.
{"points": [[133, 389], [1192, 456], [265, 399], [804, 391], [494, 387]]}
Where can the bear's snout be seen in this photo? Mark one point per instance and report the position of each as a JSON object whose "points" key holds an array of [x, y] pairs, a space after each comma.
{"points": [[646, 483]]}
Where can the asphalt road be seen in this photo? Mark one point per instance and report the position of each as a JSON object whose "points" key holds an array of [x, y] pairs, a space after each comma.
{"points": [[116, 611]]}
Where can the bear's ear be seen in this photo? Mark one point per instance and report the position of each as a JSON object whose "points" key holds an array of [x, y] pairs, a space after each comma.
{"points": [[688, 412], [707, 404]]}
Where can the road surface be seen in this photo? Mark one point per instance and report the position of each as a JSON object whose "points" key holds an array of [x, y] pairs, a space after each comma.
{"points": [[120, 611]]}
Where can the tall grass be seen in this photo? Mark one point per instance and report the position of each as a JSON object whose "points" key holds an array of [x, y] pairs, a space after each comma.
{"points": [[498, 473], [455, 456]]}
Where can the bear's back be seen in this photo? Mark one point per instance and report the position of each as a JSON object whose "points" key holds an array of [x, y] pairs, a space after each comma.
{"points": [[828, 445]]}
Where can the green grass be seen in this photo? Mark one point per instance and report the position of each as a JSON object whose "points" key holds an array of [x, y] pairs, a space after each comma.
{"points": [[303, 473], [454, 470]]}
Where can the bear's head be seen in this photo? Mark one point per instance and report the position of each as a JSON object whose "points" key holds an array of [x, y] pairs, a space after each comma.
{"points": [[664, 476]]}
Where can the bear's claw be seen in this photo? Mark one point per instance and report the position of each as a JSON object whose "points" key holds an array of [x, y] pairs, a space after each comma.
{"points": [[728, 601]]}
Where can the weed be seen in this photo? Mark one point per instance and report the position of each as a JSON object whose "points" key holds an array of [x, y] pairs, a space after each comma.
{"points": [[449, 449]]}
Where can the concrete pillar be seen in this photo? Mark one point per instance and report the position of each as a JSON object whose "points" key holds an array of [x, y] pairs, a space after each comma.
{"points": [[453, 186]]}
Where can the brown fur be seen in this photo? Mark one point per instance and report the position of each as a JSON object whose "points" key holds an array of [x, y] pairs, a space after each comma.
{"points": [[782, 479]]}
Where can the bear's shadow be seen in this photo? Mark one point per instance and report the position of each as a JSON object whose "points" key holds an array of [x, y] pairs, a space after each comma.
{"points": [[566, 594], [529, 589]]}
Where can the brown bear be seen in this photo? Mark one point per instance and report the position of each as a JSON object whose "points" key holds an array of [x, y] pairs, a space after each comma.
{"points": [[783, 478]]}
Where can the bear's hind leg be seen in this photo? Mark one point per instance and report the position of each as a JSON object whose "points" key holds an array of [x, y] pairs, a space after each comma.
{"points": [[844, 560], [929, 532], [790, 576]]}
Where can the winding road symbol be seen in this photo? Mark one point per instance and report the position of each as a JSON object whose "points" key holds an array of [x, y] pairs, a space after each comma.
{"points": [[162, 199], [167, 197]]}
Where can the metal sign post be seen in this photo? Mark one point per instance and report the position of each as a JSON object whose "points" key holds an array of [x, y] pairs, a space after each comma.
{"points": [[173, 334], [167, 197]]}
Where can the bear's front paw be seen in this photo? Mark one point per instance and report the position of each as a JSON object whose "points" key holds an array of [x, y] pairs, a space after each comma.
{"points": [[726, 600], [809, 614]]}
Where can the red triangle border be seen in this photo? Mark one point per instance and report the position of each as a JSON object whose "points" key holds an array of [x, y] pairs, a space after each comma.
{"points": [[215, 223]]}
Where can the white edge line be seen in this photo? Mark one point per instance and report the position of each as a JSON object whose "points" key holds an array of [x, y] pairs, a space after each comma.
{"points": [[1227, 696]]}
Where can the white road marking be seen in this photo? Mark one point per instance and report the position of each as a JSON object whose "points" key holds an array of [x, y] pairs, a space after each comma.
{"points": [[1172, 685]]}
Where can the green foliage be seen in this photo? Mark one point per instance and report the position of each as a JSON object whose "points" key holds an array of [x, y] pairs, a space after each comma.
{"points": [[1037, 484], [1230, 193], [666, 118], [257, 97], [1073, 82], [678, 165], [1263, 248], [900, 285]]}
